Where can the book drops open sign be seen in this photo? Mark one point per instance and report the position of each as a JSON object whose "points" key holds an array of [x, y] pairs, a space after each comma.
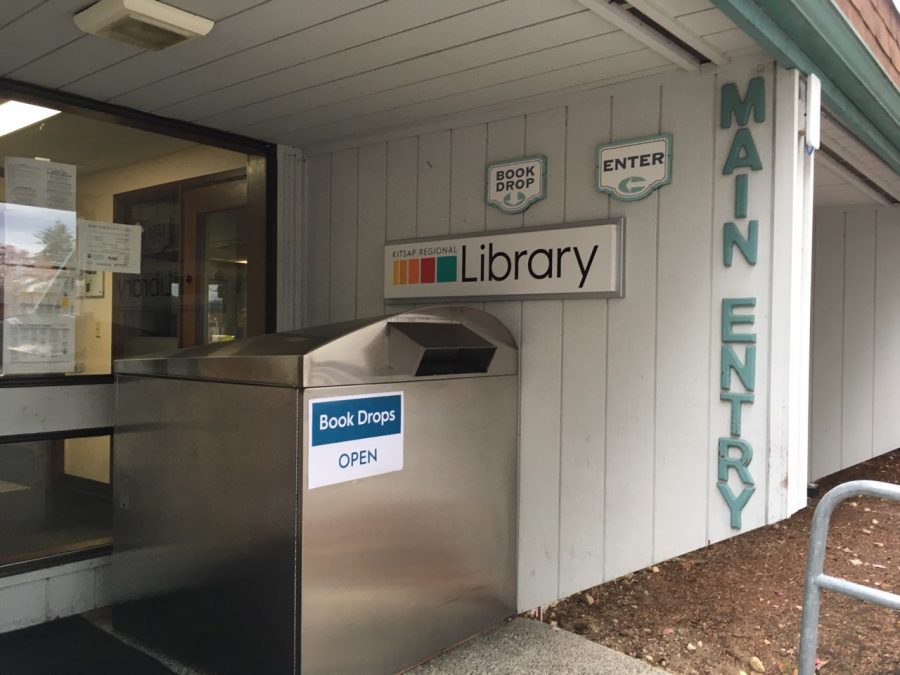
{"points": [[578, 260]]}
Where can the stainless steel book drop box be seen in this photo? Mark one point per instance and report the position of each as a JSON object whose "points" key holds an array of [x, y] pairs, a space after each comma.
{"points": [[338, 499]]}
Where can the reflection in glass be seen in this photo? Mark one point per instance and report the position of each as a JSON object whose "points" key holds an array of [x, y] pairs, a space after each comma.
{"points": [[37, 287], [54, 497], [147, 303], [223, 264], [30, 235]]}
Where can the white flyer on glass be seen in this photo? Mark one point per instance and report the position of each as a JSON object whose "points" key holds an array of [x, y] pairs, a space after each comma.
{"points": [[38, 291], [38, 320], [111, 247], [38, 344], [34, 182]]}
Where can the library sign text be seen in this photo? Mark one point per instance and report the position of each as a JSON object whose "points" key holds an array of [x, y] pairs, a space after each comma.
{"points": [[583, 260]]}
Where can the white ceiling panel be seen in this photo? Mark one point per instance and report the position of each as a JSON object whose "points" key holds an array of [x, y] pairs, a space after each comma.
{"points": [[298, 71], [44, 29], [677, 8], [482, 79], [216, 9], [233, 35], [831, 189], [730, 40], [371, 23], [10, 10], [86, 54], [846, 146], [491, 36], [573, 77], [706, 22]]}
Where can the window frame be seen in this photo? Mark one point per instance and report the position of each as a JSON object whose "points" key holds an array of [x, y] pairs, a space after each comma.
{"points": [[262, 181], [62, 557]]}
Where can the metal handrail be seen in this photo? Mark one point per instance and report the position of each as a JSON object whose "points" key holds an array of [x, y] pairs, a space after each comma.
{"points": [[816, 579]]}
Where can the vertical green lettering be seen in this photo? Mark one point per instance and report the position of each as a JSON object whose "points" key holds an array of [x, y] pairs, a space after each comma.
{"points": [[746, 371], [733, 104], [749, 246], [737, 401], [743, 153], [740, 195], [729, 319], [735, 504], [739, 464]]}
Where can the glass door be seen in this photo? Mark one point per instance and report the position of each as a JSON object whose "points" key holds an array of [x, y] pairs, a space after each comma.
{"points": [[216, 256], [203, 264]]}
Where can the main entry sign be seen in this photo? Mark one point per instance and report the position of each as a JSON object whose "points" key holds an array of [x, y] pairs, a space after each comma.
{"points": [[632, 170], [579, 260], [352, 437]]}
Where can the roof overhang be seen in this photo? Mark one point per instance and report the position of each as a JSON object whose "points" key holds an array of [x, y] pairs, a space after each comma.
{"points": [[815, 37]]}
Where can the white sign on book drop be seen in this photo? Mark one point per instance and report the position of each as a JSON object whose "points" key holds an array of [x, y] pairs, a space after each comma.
{"points": [[353, 437]]}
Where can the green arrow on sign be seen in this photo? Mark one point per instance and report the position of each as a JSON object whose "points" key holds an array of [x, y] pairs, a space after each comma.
{"points": [[631, 185], [507, 199]]}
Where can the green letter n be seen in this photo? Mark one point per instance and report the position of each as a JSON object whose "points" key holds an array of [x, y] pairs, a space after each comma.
{"points": [[748, 247], [732, 103]]}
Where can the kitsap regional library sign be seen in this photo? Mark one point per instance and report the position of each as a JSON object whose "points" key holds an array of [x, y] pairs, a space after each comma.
{"points": [[577, 260], [584, 259]]}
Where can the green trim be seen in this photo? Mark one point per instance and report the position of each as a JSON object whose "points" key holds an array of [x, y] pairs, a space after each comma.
{"points": [[650, 189], [815, 37], [520, 207]]}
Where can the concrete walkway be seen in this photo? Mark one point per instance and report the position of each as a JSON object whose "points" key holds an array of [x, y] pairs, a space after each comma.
{"points": [[524, 647]]}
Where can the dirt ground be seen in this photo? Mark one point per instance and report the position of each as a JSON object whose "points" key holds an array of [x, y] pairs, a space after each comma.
{"points": [[712, 611]]}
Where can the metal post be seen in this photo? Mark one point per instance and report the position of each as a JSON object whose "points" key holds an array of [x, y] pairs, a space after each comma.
{"points": [[815, 562]]}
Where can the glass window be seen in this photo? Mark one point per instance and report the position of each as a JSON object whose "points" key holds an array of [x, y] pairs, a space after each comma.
{"points": [[55, 498], [115, 241], [73, 300]]}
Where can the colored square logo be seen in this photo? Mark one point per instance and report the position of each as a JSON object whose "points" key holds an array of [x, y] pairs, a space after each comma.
{"points": [[446, 269], [426, 271]]}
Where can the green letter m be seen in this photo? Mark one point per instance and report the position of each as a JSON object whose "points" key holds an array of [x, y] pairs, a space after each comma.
{"points": [[732, 103]]}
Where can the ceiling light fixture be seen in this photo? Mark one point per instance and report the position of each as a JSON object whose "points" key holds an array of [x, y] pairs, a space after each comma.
{"points": [[15, 115], [148, 24]]}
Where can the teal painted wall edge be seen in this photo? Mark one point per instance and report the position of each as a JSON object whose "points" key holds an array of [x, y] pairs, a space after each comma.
{"points": [[839, 51], [830, 48]]}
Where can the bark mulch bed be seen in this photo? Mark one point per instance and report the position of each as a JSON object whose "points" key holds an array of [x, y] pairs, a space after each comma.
{"points": [[737, 604]]}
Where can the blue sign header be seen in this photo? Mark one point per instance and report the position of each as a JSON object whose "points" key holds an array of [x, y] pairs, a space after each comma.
{"points": [[351, 419]]}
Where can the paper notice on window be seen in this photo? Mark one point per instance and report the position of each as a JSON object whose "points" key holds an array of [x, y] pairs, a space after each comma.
{"points": [[39, 307], [38, 344], [34, 182], [38, 291], [109, 247]]}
